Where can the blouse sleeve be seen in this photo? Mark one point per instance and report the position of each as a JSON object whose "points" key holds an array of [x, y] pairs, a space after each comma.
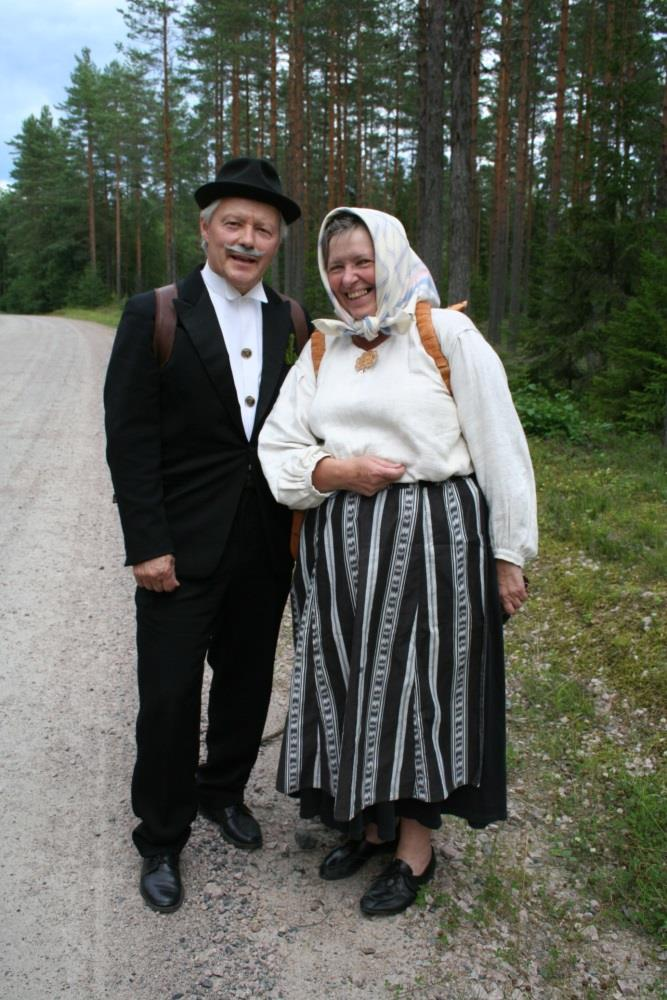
{"points": [[288, 450], [496, 441]]}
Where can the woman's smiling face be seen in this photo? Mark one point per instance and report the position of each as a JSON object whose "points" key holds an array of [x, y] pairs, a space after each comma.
{"points": [[351, 271]]}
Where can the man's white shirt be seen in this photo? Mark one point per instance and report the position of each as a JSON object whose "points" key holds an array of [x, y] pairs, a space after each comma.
{"points": [[240, 319]]}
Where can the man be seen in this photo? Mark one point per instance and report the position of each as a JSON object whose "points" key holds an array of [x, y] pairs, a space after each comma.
{"points": [[208, 545]]}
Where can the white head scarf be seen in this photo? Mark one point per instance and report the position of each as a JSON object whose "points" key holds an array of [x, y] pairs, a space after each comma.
{"points": [[401, 279]]}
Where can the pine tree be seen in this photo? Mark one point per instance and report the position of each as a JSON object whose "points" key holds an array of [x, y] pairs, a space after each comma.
{"points": [[82, 109], [461, 221], [46, 218], [430, 142], [499, 225], [151, 21]]}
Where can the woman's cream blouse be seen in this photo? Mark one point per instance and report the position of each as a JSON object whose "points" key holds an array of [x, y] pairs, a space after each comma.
{"points": [[400, 410]]}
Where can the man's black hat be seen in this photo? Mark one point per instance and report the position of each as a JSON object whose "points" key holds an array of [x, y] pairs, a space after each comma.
{"points": [[246, 177]]}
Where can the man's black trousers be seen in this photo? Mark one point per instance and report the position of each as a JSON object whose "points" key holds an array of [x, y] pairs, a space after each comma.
{"points": [[232, 619]]}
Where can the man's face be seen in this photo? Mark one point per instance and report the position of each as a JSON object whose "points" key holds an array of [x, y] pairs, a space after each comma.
{"points": [[242, 238]]}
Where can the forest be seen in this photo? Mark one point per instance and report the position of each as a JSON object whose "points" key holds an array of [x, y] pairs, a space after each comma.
{"points": [[523, 143]]}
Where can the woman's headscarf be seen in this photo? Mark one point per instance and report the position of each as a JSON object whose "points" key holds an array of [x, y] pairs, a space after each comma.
{"points": [[401, 279]]}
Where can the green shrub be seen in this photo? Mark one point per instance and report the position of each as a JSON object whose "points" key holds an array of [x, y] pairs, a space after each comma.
{"points": [[88, 290], [549, 414]]}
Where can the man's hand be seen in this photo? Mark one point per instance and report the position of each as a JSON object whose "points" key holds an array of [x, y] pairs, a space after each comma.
{"points": [[365, 474], [157, 574], [511, 586]]}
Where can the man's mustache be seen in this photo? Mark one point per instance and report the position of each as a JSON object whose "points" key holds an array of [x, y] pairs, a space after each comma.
{"points": [[244, 251]]}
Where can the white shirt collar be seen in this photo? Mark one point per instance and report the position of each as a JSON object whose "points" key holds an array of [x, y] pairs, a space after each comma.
{"points": [[220, 286]]}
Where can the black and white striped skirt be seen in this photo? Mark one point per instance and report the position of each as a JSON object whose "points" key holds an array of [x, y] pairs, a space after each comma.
{"points": [[397, 697]]}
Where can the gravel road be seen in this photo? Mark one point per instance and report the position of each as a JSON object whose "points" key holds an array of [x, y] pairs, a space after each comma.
{"points": [[252, 926]]}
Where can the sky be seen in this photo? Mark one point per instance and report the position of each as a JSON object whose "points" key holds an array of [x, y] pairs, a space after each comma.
{"points": [[38, 43]]}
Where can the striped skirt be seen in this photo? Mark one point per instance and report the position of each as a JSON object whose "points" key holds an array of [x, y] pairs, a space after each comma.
{"points": [[396, 704]]}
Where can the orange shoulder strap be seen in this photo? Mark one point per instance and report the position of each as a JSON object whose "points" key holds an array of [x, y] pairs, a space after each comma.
{"points": [[427, 333], [430, 340], [317, 348]]}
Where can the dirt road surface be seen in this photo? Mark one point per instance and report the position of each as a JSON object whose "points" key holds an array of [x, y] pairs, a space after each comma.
{"points": [[252, 926]]}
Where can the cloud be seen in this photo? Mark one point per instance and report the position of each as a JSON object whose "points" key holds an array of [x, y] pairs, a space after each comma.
{"points": [[38, 45]]}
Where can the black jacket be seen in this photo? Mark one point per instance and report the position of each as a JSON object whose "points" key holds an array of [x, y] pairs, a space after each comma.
{"points": [[176, 447]]}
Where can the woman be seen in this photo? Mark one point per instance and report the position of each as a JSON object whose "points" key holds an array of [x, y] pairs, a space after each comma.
{"points": [[396, 711]]}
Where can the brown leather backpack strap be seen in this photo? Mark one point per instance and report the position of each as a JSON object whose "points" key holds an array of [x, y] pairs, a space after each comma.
{"points": [[164, 328], [299, 321]]}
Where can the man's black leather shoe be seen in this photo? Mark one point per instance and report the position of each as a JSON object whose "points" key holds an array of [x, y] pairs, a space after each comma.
{"points": [[160, 882], [348, 858], [395, 889], [237, 825]]}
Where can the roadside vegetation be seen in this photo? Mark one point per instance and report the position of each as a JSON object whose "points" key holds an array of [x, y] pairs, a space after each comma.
{"points": [[588, 668], [575, 884], [108, 315]]}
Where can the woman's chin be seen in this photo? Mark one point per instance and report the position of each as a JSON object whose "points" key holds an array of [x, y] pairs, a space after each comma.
{"points": [[360, 312]]}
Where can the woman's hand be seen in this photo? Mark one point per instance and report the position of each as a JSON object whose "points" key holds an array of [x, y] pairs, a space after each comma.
{"points": [[364, 474], [511, 586]]}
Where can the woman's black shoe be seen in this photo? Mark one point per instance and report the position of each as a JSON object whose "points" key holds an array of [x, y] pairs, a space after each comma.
{"points": [[160, 882], [348, 858], [395, 889]]}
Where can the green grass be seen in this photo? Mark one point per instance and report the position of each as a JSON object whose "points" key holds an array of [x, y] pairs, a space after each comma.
{"points": [[108, 315], [589, 666], [608, 500], [587, 751]]}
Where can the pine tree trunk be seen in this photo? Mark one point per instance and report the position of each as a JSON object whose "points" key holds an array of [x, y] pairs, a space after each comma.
{"points": [[138, 242], [498, 274], [273, 87], [246, 94], [474, 118], [308, 168], [662, 172], [519, 212], [169, 245], [337, 126], [294, 270], [430, 153], [344, 136], [219, 111], [530, 212], [607, 81], [557, 160], [397, 134], [261, 128], [236, 100], [582, 147], [90, 172], [117, 223], [461, 189], [332, 73], [359, 185]]}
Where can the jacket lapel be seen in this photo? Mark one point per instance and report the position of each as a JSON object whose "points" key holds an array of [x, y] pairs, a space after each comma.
{"points": [[198, 318], [276, 326]]}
